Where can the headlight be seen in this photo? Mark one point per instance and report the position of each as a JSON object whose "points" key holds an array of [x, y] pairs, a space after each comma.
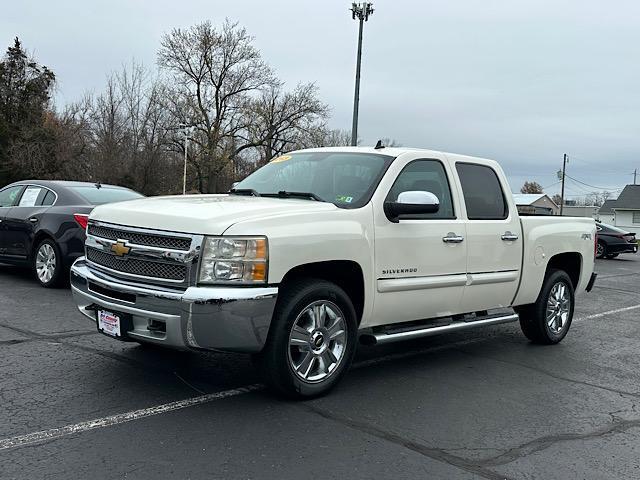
{"points": [[234, 260]]}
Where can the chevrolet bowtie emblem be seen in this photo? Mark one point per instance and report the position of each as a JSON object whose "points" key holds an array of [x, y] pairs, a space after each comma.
{"points": [[120, 249]]}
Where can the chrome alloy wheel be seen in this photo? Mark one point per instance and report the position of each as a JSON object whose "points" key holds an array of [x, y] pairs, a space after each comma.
{"points": [[558, 307], [317, 342], [599, 249], [46, 263]]}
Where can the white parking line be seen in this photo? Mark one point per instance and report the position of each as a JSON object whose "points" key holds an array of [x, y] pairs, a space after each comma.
{"points": [[31, 438], [610, 312], [53, 433]]}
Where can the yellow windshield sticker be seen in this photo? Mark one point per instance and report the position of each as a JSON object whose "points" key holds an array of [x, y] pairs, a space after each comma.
{"points": [[281, 158]]}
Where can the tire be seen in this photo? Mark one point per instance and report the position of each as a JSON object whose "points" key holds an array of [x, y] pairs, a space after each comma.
{"points": [[47, 264], [298, 348], [533, 318], [601, 249]]}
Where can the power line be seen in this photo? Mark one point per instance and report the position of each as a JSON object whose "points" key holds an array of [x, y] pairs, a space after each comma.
{"points": [[588, 184]]}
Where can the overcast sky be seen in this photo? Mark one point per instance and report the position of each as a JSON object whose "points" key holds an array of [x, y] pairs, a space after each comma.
{"points": [[520, 81]]}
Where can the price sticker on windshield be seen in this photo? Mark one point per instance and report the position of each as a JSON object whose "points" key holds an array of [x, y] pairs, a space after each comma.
{"points": [[281, 158]]}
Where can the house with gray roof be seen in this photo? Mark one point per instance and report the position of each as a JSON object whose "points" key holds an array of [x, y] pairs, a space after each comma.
{"points": [[535, 203], [624, 212], [605, 213]]}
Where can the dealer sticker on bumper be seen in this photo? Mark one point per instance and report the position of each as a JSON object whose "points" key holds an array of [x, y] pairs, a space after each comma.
{"points": [[109, 323]]}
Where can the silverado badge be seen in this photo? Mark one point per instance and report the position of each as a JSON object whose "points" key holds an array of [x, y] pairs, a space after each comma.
{"points": [[120, 249]]}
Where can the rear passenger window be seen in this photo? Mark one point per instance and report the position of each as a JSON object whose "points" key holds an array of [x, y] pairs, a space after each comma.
{"points": [[48, 199], [30, 197], [482, 192], [427, 176]]}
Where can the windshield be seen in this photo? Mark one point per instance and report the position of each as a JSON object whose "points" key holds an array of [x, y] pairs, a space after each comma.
{"points": [[345, 179], [98, 196]]}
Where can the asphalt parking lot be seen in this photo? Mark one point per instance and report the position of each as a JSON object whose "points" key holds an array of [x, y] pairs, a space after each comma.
{"points": [[485, 404]]}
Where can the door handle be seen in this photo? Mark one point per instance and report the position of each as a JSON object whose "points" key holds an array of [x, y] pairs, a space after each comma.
{"points": [[33, 220], [509, 237], [452, 238]]}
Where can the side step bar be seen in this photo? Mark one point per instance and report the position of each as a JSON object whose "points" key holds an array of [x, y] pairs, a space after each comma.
{"points": [[382, 338]]}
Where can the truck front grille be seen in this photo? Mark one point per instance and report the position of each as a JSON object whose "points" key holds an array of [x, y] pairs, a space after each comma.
{"points": [[138, 238], [143, 268]]}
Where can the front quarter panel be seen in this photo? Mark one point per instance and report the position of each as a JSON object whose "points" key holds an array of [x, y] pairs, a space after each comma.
{"points": [[300, 239]]}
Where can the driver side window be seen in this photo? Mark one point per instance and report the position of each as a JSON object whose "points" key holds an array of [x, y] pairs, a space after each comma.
{"points": [[427, 176]]}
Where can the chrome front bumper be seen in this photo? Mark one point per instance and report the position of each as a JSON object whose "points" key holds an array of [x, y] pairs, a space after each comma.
{"points": [[214, 318]]}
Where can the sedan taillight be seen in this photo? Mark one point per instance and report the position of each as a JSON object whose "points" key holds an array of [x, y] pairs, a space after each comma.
{"points": [[81, 219]]}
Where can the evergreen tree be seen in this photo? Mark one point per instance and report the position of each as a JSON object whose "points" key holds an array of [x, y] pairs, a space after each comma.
{"points": [[25, 94]]}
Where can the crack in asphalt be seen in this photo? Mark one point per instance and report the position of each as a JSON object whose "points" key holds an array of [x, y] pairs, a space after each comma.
{"points": [[616, 289], [437, 454], [551, 374], [33, 336], [543, 443]]}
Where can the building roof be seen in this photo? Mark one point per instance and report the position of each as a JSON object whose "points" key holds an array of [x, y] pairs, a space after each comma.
{"points": [[629, 199], [606, 206], [527, 198], [530, 198]]}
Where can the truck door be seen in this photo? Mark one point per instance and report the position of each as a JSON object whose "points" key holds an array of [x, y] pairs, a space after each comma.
{"points": [[493, 238], [420, 261]]}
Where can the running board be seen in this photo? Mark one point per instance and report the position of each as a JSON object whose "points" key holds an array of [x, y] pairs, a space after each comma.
{"points": [[382, 338]]}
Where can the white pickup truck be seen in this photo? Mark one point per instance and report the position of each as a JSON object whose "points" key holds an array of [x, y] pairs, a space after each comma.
{"points": [[322, 248]]}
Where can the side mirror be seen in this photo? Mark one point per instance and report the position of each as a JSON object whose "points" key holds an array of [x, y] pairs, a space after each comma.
{"points": [[412, 202]]}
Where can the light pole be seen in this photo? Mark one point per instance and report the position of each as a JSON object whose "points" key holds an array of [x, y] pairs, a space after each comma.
{"points": [[188, 131], [361, 11]]}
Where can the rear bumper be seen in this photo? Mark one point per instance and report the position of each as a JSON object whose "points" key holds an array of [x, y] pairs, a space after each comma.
{"points": [[214, 318], [622, 248], [592, 280]]}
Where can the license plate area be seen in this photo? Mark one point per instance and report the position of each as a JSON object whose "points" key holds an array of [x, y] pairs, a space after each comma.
{"points": [[114, 324]]}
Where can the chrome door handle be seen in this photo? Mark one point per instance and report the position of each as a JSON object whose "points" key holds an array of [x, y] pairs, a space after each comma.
{"points": [[33, 220], [509, 237], [452, 238]]}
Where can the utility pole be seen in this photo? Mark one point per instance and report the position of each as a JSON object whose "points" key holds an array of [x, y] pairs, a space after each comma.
{"points": [[188, 131], [564, 168], [362, 12], [635, 172]]}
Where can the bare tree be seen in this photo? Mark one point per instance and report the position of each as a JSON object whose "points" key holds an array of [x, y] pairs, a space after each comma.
{"points": [[281, 121], [531, 187], [215, 75]]}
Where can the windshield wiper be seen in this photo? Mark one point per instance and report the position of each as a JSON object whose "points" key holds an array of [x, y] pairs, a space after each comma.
{"points": [[287, 194], [244, 191]]}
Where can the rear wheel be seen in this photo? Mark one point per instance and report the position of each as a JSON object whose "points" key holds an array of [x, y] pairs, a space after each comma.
{"points": [[547, 321], [311, 341], [47, 264], [601, 249]]}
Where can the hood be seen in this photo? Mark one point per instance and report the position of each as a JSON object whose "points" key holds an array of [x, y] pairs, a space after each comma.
{"points": [[201, 214]]}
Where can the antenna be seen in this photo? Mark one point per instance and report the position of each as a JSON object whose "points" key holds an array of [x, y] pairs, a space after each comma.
{"points": [[379, 145]]}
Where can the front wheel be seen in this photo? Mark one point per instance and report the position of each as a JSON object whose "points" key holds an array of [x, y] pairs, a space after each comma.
{"points": [[547, 321], [47, 264], [311, 341], [601, 250]]}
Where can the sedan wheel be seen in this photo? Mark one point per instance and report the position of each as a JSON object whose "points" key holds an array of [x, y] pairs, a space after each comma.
{"points": [[47, 264], [601, 250]]}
